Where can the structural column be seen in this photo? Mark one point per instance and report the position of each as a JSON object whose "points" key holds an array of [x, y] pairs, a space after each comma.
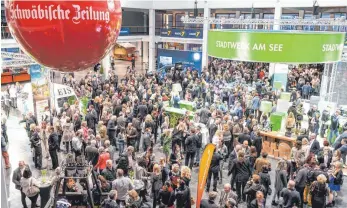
{"points": [[207, 13], [145, 52], [151, 57], [106, 64], [278, 14], [185, 46]]}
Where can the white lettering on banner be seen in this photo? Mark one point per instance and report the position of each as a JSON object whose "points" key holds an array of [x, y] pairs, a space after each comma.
{"points": [[332, 47], [233, 45], [276, 47], [53, 12], [259, 47]]}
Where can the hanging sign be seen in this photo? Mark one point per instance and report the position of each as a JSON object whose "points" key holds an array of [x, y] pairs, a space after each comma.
{"points": [[276, 46]]}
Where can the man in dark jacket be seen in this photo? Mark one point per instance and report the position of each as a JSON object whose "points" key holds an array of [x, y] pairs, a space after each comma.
{"points": [[300, 181], [92, 154], [111, 131], [53, 146], [183, 199], [204, 115], [191, 147], [76, 122], [143, 110], [214, 170], [36, 145], [109, 172], [314, 144], [91, 118], [110, 202], [198, 145], [210, 202], [291, 198]]}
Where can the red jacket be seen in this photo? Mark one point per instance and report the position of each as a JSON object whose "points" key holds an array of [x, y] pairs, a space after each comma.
{"points": [[102, 160]]}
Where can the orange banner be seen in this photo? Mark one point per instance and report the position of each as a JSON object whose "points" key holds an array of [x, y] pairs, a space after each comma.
{"points": [[205, 163]]}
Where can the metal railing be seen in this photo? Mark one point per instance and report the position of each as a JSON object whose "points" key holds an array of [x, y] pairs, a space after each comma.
{"points": [[132, 30]]}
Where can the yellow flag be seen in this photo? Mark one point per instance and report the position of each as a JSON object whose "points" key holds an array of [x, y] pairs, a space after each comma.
{"points": [[205, 163]]}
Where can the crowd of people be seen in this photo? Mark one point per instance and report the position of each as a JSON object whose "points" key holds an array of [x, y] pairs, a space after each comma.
{"points": [[127, 135]]}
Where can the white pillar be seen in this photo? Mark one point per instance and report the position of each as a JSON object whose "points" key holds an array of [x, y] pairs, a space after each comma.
{"points": [[151, 61], [207, 13], [106, 65], [139, 48], [145, 51], [185, 46], [278, 14]]}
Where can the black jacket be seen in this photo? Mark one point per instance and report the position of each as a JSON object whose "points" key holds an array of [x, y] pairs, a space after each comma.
{"points": [[183, 197], [251, 191], [290, 198], [123, 162], [53, 142], [91, 119], [315, 147], [241, 170], [143, 110], [108, 203], [111, 129], [205, 203], [167, 198], [77, 124], [191, 143], [243, 137], [216, 158], [265, 180]]}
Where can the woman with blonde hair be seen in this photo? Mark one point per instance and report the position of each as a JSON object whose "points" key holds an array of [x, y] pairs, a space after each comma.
{"points": [[217, 136], [156, 181], [290, 123], [335, 180], [134, 200], [186, 175], [319, 191]]}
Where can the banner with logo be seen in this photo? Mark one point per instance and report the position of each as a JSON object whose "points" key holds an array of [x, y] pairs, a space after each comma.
{"points": [[181, 33], [276, 46], [205, 163], [40, 88]]}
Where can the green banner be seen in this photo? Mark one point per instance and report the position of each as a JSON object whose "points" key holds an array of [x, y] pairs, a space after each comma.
{"points": [[276, 46]]}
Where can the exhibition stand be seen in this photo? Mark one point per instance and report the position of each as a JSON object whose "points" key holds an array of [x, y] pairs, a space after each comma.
{"points": [[277, 47]]}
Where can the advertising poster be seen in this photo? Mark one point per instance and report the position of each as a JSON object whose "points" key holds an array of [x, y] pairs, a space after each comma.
{"points": [[190, 59], [40, 109], [40, 88]]}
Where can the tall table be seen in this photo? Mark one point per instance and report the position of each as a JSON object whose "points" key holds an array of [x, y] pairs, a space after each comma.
{"points": [[276, 144]]}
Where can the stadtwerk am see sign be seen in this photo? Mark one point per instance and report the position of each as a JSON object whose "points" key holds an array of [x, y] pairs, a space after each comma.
{"points": [[280, 47]]}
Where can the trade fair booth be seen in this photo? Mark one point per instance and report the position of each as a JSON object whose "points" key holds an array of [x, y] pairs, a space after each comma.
{"points": [[278, 48]]}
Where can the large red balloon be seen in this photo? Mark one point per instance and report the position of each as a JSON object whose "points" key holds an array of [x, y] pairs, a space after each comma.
{"points": [[65, 35]]}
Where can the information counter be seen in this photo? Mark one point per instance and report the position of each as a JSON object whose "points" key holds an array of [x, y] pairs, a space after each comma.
{"points": [[276, 144]]}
